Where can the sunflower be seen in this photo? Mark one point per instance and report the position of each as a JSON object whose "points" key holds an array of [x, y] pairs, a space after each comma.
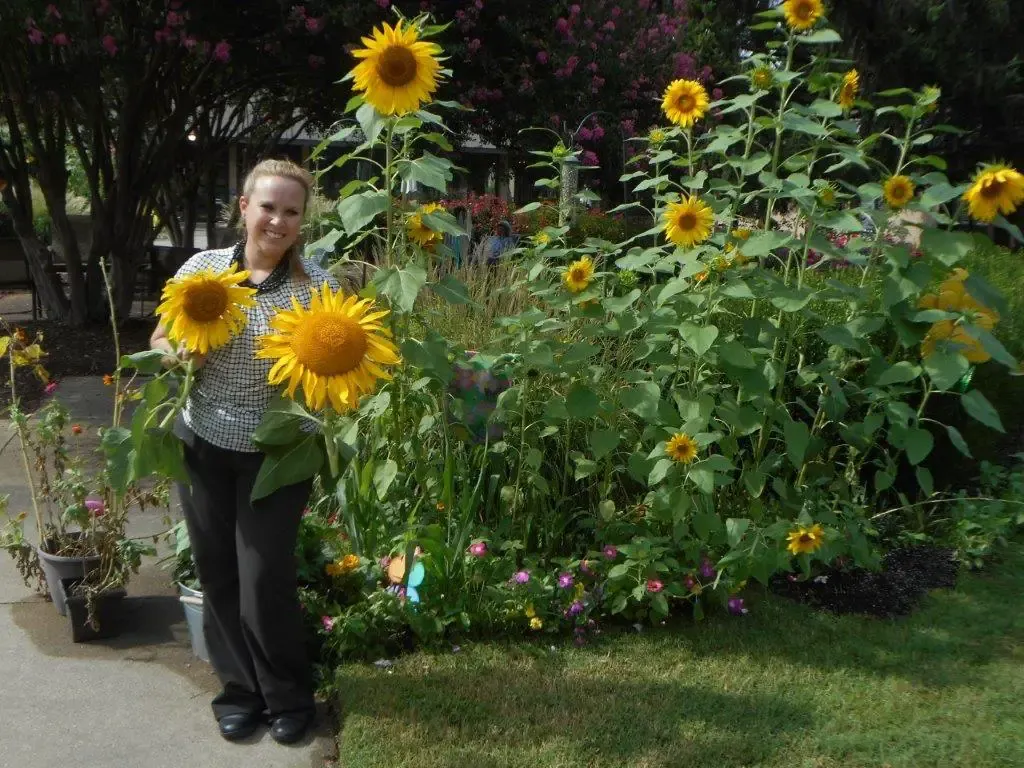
{"points": [[578, 275], [398, 71], [685, 102], [202, 311], [681, 448], [700, 277], [801, 15], [996, 189], [420, 232], [341, 567], [805, 539], [947, 334], [742, 233], [827, 194], [541, 239], [656, 137], [336, 349], [762, 78], [688, 222], [898, 191], [849, 89]]}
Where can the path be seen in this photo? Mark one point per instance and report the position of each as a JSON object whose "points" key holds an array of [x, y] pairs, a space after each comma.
{"points": [[137, 701]]}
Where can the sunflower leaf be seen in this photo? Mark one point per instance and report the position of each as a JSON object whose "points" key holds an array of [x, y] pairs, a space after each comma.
{"points": [[295, 464], [822, 36], [979, 408], [401, 286], [359, 210]]}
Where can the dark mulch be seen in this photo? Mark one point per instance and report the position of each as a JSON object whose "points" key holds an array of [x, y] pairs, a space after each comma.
{"points": [[907, 575], [74, 352]]}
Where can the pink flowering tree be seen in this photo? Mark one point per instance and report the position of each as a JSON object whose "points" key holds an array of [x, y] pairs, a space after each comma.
{"points": [[124, 83]]}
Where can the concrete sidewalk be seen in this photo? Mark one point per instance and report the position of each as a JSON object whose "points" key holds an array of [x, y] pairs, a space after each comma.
{"points": [[140, 700]]}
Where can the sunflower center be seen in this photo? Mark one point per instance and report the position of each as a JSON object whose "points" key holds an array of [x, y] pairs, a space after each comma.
{"points": [[329, 345], [993, 190], [806, 538], [397, 66], [206, 301], [803, 11], [685, 102], [687, 221], [578, 274]]}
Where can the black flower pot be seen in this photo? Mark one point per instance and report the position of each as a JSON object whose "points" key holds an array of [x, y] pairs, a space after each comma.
{"points": [[107, 617]]}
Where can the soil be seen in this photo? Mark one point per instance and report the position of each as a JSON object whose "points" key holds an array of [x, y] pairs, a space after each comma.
{"points": [[907, 574], [85, 351]]}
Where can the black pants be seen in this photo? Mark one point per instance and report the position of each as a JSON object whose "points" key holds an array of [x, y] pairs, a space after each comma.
{"points": [[245, 556]]}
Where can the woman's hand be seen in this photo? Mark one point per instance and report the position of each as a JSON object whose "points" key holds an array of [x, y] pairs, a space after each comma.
{"points": [[174, 357]]}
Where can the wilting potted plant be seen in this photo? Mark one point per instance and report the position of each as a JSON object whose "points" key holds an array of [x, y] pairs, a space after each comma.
{"points": [[186, 579]]}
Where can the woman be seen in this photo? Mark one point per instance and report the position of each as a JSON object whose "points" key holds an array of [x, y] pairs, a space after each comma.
{"points": [[244, 550]]}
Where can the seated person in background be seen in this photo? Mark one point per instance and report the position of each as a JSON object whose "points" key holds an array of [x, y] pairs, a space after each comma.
{"points": [[492, 246]]}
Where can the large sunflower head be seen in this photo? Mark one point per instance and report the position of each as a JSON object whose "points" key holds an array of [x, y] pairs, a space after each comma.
{"points": [[996, 189], [898, 191], [849, 89], [337, 349], [681, 448], [685, 102], [805, 539], [202, 311], [801, 15], [577, 276], [688, 222], [420, 232], [398, 71]]}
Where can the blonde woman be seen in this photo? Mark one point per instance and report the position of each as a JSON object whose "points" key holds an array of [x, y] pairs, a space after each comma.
{"points": [[244, 550]]}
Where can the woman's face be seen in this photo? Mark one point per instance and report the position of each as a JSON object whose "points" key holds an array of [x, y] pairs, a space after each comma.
{"points": [[273, 214]]}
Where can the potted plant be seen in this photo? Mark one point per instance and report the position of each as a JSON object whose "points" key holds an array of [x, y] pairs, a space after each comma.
{"points": [[186, 579]]}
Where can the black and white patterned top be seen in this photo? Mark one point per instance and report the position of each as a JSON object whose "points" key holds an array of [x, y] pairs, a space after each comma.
{"points": [[230, 393]]}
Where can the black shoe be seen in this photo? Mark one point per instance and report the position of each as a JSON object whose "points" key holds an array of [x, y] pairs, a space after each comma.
{"points": [[238, 725], [289, 727]]}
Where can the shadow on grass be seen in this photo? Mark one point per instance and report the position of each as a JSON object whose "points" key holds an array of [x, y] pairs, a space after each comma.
{"points": [[509, 709]]}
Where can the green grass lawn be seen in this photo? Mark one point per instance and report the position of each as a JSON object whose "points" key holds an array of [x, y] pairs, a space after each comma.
{"points": [[782, 686]]}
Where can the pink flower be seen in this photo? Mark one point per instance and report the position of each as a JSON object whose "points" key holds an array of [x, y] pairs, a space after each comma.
{"points": [[521, 577], [189, 42], [610, 552], [689, 582], [736, 607], [35, 36], [61, 40], [174, 19], [598, 133], [584, 134], [50, 388], [478, 549], [96, 507], [222, 52], [102, 7], [565, 580], [562, 26], [328, 623], [653, 585], [707, 569], [589, 158], [110, 45], [474, 45], [314, 26], [52, 12], [542, 57], [384, 3]]}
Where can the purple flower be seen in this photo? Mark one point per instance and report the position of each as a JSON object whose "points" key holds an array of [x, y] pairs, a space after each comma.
{"points": [[576, 608], [222, 52], [689, 582], [478, 549], [565, 580], [521, 577], [542, 57], [707, 570], [96, 507], [654, 585], [736, 606], [328, 623], [610, 552]]}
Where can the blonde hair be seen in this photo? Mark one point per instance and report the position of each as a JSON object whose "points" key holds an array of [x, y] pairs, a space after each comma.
{"points": [[285, 169]]}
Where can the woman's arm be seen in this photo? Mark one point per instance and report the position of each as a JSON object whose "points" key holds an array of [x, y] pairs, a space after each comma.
{"points": [[173, 356]]}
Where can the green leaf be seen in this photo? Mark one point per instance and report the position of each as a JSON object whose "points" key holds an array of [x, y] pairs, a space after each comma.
{"points": [[642, 400], [277, 428], [948, 247], [584, 468], [826, 108], [820, 37], [429, 170], [603, 442], [299, 462], [735, 354], [798, 437], [659, 471], [582, 402], [452, 290], [120, 454], [900, 373], [919, 443], [958, 441], [706, 523], [938, 194], [979, 408], [703, 478], [925, 480], [734, 530], [945, 369], [619, 304], [401, 285], [383, 476], [359, 210], [579, 352], [149, 362], [802, 124], [370, 121], [698, 338]]}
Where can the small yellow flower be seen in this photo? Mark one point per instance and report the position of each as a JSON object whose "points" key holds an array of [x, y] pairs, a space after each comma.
{"points": [[700, 277], [341, 567], [762, 78], [805, 539], [685, 102], [681, 448], [898, 191], [577, 591], [849, 89], [656, 136], [827, 195], [536, 623], [578, 275], [530, 611], [441, 506], [996, 189], [741, 234], [541, 238], [801, 15]]}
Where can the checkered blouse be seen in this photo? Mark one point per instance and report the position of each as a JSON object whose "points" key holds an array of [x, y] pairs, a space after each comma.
{"points": [[230, 394]]}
